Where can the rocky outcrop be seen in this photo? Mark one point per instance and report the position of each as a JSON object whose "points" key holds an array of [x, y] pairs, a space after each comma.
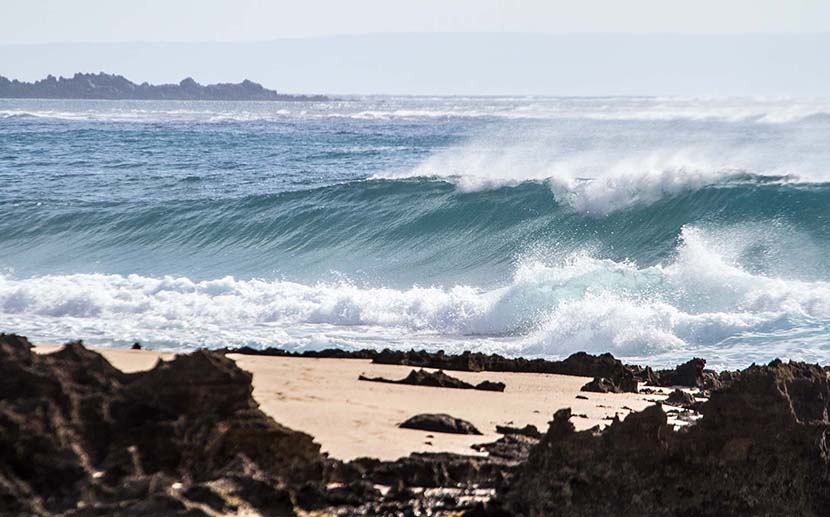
{"points": [[437, 379], [759, 449], [603, 385], [688, 374], [580, 363], [439, 423], [78, 436], [108, 86], [680, 398], [326, 353], [514, 445]]}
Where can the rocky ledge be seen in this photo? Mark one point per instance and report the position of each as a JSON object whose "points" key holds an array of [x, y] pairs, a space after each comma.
{"points": [[437, 379], [80, 438], [759, 449]]}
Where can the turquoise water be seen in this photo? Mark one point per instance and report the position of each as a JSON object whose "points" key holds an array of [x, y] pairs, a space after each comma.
{"points": [[654, 228]]}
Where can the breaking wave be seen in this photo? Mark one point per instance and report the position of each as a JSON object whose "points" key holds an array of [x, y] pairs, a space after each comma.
{"points": [[701, 298]]}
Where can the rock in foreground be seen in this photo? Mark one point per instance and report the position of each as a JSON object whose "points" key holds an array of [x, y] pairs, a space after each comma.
{"points": [[760, 449], [79, 437]]}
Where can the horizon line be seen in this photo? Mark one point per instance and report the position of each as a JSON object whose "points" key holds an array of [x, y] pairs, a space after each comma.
{"points": [[420, 33]]}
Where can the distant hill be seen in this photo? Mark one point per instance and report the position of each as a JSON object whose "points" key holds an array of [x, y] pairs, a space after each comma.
{"points": [[108, 86]]}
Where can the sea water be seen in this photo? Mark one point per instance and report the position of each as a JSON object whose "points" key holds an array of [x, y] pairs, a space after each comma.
{"points": [[654, 228]]}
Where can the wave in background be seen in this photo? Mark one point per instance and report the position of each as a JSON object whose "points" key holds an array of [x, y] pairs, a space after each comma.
{"points": [[655, 228]]}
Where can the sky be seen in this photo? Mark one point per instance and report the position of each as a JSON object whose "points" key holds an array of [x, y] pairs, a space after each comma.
{"points": [[526, 47], [44, 21]]}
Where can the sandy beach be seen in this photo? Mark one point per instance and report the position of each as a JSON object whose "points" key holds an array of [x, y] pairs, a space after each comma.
{"points": [[351, 418]]}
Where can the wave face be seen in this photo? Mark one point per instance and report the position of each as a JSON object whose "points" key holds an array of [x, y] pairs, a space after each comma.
{"points": [[657, 229]]}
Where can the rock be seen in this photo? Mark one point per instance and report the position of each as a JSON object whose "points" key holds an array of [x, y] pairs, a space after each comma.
{"points": [[680, 398], [759, 449], [136, 346], [602, 385], [514, 445], [437, 379], [354, 493], [422, 469], [423, 377], [77, 433], [528, 430], [580, 363], [688, 374], [327, 353], [490, 386], [439, 423], [204, 494]]}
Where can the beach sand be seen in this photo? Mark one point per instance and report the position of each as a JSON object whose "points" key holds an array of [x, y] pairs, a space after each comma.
{"points": [[351, 418]]}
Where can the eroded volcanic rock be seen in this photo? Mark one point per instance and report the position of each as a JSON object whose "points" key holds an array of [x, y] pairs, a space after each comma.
{"points": [[680, 398], [439, 423], [602, 385], [759, 449], [78, 436], [580, 363], [437, 379], [688, 374]]}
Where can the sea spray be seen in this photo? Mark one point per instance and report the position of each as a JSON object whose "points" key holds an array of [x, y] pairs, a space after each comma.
{"points": [[653, 228]]}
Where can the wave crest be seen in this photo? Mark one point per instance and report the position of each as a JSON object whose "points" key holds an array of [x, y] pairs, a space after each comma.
{"points": [[701, 299]]}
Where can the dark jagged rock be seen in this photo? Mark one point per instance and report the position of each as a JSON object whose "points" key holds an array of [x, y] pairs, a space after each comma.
{"points": [[422, 469], [437, 379], [680, 398], [136, 346], [439, 423], [108, 86], [718, 380], [580, 363], [490, 386], [422, 377], [643, 374], [528, 430], [76, 432], [688, 374], [514, 445], [759, 449], [602, 385], [326, 353]]}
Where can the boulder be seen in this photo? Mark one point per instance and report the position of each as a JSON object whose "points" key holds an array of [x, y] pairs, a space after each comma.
{"points": [[439, 423]]}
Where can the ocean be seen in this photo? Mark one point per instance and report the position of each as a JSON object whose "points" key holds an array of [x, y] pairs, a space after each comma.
{"points": [[658, 229]]}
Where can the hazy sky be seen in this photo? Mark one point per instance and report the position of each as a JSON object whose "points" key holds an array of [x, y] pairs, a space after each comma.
{"points": [[41, 21], [579, 47]]}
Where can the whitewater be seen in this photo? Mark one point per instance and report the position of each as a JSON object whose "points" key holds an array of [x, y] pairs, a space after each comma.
{"points": [[658, 229]]}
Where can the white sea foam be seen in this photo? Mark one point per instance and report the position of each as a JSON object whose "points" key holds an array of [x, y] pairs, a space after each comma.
{"points": [[752, 110], [615, 172], [698, 302]]}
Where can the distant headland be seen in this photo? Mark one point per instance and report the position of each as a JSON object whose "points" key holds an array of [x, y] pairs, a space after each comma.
{"points": [[109, 86]]}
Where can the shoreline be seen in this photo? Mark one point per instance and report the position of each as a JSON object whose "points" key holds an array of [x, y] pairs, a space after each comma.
{"points": [[208, 433], [350, 418]]}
